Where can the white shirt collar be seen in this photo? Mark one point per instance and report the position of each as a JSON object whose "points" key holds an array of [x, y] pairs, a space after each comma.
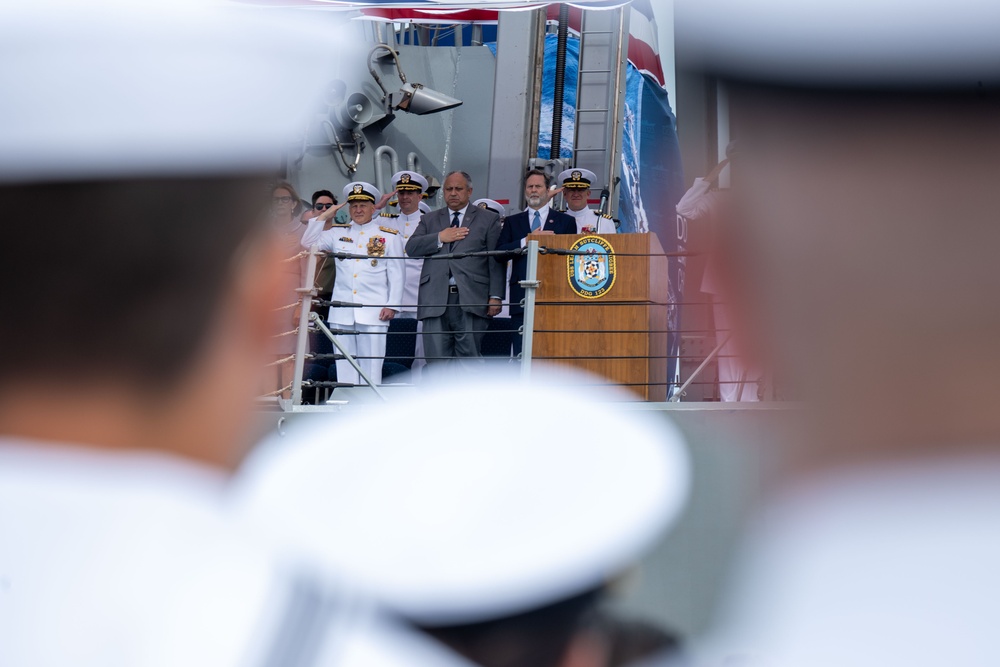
{"points": [[461, 214], [543, 212]]}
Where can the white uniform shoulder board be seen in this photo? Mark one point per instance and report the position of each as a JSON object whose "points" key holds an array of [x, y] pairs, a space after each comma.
{"points": [[389, 230], [386, 214], [344, 225]]}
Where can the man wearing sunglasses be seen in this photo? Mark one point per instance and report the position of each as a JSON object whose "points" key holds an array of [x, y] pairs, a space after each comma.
{"points": [[322, 200], [326, 271]]}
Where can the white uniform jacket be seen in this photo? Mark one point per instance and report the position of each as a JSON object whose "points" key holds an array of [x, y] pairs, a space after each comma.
{"points": [[125, 560], [138, 559], [406, 225], [373, 281], [589, 221]]}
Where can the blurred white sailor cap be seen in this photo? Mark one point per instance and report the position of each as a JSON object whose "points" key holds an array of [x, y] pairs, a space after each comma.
{"points": [[423, 207], [492, 205], [468, 514], [842, 42], [113, 88]]}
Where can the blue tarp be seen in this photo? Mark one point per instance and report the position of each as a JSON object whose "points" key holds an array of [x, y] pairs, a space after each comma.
{"points": [[569, 98]]}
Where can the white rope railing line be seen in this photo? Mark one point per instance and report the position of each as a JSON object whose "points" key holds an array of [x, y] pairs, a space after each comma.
{"points": [[295, 257], [287, 387], [284, 360]]}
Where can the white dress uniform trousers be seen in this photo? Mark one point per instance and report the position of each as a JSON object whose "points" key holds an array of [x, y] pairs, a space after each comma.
{"points": [[373, 281]]}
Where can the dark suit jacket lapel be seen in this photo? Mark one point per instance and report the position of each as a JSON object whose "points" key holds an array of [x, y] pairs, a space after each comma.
{"points": [[526, 222], [468, 220], [550, 224], [470, 217]]}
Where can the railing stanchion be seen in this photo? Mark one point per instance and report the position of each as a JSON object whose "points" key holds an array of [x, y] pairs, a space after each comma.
{"points": [[676, 398], [347, 356], [530, 285], [302, 340]]}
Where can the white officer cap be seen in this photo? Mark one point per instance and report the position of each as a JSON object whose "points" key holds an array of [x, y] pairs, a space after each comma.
{"points": [[409, 181], [361, 191], [112, 88], [577, 179], [492, 205], [464, 516], [423, 207]]}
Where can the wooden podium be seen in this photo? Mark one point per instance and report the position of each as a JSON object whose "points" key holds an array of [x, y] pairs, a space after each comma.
{"points": [[620, 334]]}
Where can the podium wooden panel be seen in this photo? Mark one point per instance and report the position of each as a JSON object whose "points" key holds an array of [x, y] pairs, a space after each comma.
{"points": [[609, 335]]}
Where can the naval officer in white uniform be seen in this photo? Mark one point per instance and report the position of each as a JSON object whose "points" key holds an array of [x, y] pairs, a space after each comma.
{"points": [[371, 280], [576, 191], [410, 187], [864, 242]]}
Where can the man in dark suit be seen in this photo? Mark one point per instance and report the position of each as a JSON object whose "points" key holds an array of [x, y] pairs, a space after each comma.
{"points": [[470, 286], [538, 218]]}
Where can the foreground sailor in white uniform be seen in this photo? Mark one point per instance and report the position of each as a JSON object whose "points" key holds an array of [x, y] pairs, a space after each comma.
{"points": [[372, 280], [128, 364], [879, 545], [576, 191], [497, 547]]}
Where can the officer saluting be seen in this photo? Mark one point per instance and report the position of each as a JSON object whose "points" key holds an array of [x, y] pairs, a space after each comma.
{"points": [[410, 188], [372, 281], [576, 190]]}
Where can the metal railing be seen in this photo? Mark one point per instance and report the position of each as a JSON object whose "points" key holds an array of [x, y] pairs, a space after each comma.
{"points": [[309, 322]]}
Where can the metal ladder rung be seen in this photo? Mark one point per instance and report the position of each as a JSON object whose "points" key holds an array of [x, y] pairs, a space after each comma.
{"points": [[597, 74]]}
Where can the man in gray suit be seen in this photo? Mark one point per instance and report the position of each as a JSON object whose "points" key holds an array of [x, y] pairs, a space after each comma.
{"points": [[470, 286]]}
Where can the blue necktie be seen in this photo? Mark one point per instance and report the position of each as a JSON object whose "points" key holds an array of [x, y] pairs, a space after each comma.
{"points": [[536, 223], [454, 220]]}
